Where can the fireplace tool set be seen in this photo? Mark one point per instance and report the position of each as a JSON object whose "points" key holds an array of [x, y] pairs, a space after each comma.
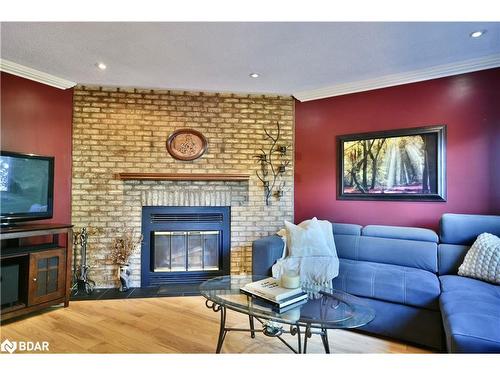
{"points": [[82, 282]]}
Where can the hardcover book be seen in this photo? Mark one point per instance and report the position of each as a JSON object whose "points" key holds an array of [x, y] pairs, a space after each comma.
{"points": [[270, 290], [265, 305]]}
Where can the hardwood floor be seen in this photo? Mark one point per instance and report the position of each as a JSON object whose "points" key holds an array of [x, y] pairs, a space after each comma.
{"points": [[166, 325]]}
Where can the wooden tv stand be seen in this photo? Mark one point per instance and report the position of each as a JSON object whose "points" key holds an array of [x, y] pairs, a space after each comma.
{"points": [[43, 264]]}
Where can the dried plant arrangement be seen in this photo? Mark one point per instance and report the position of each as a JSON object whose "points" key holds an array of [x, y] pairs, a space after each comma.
{"points": [[124, 245]]}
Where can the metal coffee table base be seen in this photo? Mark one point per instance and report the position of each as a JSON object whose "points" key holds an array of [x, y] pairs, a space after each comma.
{"points": [[294, 330]]}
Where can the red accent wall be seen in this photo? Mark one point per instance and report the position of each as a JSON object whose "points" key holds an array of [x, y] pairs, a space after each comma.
{"points": [[469, 104], [37, 119]]}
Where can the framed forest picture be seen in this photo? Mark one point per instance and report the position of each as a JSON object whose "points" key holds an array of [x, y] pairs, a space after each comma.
{"points": [[406, 164]]}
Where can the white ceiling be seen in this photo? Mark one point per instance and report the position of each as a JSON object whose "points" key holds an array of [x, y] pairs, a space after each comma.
{"points": [[291, 57]]}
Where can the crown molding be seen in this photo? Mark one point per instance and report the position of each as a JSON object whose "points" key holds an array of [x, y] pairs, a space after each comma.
{"points": [[438, 71], [34, 75]]}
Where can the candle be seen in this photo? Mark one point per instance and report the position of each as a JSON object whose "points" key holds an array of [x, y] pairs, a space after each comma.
{"points": [[290, 281]]}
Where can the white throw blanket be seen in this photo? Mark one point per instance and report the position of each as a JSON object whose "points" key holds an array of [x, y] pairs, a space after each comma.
{"points": [[317, 263]]}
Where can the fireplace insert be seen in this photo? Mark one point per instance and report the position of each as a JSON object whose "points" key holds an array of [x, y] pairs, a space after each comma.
{"points": [[184, 244]]}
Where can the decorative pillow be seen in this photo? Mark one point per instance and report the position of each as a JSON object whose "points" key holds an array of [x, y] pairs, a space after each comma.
{"points": [[306, 239], [482, 261]]}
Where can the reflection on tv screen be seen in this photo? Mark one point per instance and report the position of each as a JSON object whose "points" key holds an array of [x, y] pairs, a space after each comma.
{"points": [[23, 185]]}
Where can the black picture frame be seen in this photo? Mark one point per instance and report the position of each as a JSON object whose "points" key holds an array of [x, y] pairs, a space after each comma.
{"points": [[433, 166]]}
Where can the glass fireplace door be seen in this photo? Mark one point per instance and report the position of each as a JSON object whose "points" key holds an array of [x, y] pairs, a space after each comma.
{"points": [[176, 251]]}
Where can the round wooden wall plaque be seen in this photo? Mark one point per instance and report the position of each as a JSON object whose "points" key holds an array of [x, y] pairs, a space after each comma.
{"points": [[186, 144]]}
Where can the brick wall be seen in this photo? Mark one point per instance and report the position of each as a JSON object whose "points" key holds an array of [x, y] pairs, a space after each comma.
{"points": [[125, 130]]}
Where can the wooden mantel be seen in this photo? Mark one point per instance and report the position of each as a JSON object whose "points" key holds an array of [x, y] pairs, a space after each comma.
{"points": [[183, 176]]}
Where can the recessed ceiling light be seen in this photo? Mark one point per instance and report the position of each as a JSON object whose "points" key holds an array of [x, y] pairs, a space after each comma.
{"points": [[101, 66], [254, 75], [477, 34]]}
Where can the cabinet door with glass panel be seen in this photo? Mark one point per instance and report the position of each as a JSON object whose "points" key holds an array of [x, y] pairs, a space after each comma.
{"points": [[47, 275]]}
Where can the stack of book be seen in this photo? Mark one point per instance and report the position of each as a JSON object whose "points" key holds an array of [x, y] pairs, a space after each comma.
{"points": [[279, 298]]}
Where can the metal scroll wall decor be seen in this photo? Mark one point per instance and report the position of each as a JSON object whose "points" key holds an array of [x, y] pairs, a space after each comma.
{"points": [[82, 282], [273, 165]]}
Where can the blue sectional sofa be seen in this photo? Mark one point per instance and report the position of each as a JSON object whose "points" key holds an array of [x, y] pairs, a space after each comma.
{"points": [[470, 308], [405, 274]]}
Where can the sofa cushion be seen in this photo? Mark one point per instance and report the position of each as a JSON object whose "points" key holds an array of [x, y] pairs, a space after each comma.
{"points": [[471, 314], [402, 233], [400, 246], [406, 253], [450, 257], [387, 282], [350, 229], [460, 229]]}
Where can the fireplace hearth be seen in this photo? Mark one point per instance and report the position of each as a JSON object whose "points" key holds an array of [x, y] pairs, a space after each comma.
{"points": [[184, 244]]}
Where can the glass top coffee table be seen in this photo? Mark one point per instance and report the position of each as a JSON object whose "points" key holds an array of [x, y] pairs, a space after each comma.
{"points": [[325, 309]]}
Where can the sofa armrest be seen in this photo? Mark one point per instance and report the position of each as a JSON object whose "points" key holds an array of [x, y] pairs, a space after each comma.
{"points": [[265, 252]]}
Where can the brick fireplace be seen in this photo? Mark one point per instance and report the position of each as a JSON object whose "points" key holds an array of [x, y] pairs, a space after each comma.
{"points": [[122, 130]]}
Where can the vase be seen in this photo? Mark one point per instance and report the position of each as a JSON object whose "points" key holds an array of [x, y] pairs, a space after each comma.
{"points": [[124, 276]]}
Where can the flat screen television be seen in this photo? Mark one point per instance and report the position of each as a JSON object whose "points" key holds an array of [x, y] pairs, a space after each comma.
{"points": [[26, 187]]}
